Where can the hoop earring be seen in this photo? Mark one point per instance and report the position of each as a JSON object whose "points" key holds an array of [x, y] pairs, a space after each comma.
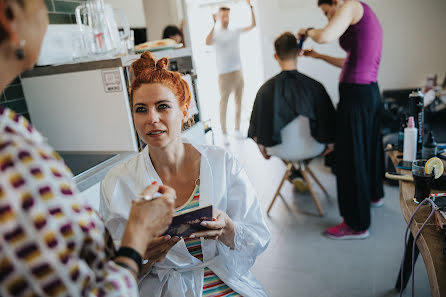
{"points": [[20, 51]]}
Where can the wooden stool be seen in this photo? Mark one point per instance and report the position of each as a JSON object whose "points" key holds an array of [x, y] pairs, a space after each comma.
{"points": [[306, 172]]}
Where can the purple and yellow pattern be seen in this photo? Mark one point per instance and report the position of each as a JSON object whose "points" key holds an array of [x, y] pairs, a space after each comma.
{"points": [[52, 244]]}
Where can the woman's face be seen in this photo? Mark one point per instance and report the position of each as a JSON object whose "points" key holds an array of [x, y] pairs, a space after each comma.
{"points": [[32, 22], [177, 38], [157, 115], [328, 10]]}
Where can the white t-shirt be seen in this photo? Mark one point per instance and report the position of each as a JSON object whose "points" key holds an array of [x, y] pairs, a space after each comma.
{"points": [[227, 50]]}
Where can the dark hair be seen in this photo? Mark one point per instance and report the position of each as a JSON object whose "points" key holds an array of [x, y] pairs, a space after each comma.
{"points": [[224, 8], [4, 18], [286, 46], [320, 2], [171, 30]]}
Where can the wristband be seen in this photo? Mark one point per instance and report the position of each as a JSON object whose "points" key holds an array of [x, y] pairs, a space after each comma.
{"points": [[131, 269], [130, 253]]}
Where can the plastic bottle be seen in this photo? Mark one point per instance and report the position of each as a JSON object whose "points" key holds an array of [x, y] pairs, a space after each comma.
{"points": [[429, 147], [410, 141]]}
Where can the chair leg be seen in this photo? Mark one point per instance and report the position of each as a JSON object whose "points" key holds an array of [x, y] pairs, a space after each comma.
{"points": [[310, 187], [284, 201], [316, 180], [285, 176]]}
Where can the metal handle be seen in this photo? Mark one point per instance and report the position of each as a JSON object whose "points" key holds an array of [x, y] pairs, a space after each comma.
{"points": [[78, 16]]}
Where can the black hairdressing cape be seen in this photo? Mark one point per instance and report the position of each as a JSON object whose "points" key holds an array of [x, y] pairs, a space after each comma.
{"points": [[283, 98]]}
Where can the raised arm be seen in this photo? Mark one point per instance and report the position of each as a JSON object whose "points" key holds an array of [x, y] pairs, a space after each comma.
{"points": [[210, 37], [253, 18], [349, 13]]}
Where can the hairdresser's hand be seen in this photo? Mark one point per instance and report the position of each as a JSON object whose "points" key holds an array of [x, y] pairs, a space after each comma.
{"points": [[214, 17], [149, 219], [310, 53], [159, 247], [301, 33], [157, 251], [221, 227]]}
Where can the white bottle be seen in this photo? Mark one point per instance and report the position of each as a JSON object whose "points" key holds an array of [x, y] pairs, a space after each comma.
{"points": [[410, 141]]}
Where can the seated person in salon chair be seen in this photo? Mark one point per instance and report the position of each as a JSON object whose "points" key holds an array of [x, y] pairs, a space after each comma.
{"points": [[293, 117]]}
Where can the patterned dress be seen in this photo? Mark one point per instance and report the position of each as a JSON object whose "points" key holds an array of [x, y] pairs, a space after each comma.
{"points": [[51, 242], [213, 286]]}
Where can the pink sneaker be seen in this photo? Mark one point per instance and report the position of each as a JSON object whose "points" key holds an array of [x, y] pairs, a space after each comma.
{"points": [[342, 231]]}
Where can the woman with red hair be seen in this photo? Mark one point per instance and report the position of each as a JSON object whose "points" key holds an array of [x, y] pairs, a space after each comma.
{"points": [[213, 262]]}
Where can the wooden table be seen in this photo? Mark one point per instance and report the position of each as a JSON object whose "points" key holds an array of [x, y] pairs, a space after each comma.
{"points": [[430, 241]]}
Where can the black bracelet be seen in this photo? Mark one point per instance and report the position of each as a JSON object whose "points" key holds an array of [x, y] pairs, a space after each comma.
{"points": [[130, 253], [127, 267], [306, 31]]}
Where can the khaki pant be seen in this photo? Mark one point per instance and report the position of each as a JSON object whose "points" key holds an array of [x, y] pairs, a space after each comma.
{"points": [[228, 83]]}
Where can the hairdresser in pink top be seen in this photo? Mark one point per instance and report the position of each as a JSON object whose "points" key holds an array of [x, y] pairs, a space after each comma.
{"points": [[359, 151]]}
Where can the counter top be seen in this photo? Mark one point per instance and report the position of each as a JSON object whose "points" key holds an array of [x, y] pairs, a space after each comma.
{"points": [[89, 168], [102, 64]]}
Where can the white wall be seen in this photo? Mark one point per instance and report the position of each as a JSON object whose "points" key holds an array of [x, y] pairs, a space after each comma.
{"points": [[133, 9], [159, 14], [414, 39]]}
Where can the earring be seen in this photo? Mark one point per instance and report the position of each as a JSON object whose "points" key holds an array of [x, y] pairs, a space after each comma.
{"points": [[20, 51]]}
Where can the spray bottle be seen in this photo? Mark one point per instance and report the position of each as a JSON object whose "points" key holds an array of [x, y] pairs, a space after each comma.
{"points": [[410, 141]]}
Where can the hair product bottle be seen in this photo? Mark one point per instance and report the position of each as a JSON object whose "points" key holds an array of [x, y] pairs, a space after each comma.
{"points": [[410, 141], [416, 109]]}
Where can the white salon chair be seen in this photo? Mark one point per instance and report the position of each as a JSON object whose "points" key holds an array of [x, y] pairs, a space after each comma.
{"points": [[297, 149]]}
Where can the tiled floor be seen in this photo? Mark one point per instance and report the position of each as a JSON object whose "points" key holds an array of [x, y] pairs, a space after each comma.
{"points": [[300, 262]]}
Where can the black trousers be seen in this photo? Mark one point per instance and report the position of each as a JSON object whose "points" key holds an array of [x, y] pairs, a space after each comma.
{"points": [[359, 152]]}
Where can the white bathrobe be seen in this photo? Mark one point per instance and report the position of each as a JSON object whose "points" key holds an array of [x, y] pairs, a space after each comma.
{"points": [[225, 185]]}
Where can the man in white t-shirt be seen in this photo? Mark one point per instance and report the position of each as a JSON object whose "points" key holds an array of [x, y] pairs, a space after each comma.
{"points": [[227, 48]]}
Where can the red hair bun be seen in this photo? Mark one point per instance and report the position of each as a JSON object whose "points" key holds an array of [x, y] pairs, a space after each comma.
{"points": [[147, 70]]}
